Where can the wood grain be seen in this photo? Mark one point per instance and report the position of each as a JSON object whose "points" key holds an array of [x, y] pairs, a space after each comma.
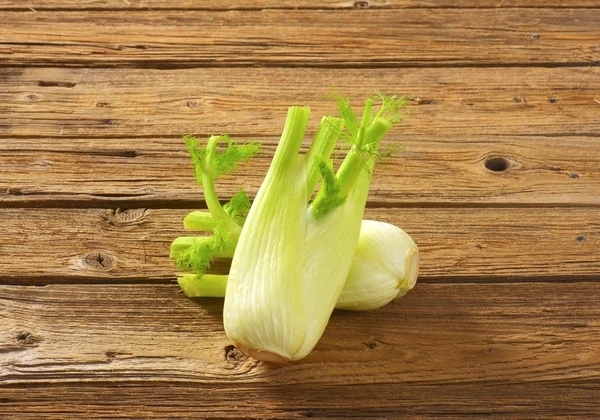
{"points": [[465, 244], [430, 171], [166, 400], [94, 95], [520, 350], [40, 5], [456, 102], [344, 38]]}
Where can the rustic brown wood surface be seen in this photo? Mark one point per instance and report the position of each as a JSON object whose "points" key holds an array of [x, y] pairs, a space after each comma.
{"points": [[145, 351], [128, 103], [390, 38], [41, 5], [452, 171], [493, 244], [498, 183]]}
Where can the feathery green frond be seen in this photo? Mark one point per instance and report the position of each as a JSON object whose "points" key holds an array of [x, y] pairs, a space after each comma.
{"points": [[233, 155], [222, 162], [198, 155], [349, 117], [237, 208], [385, 153], [210, 163], [373, 125], [365, 139], [391, 107], [198, 255]]}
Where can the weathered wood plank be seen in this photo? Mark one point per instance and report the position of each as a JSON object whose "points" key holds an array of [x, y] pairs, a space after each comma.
{"points": [[436, 171], [346, 38], [47, 245], [253, 102], [40, 5], [116, 400], [520, 350]]}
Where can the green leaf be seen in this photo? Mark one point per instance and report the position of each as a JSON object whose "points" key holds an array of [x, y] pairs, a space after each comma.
{"points": [[199, 255], [223, 162], [198, 155], [237, 208], [349, 117], [392, 107], [234, 154]]}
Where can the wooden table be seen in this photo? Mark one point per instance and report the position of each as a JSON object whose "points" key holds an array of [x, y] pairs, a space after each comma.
{"points": [[499, 184]]}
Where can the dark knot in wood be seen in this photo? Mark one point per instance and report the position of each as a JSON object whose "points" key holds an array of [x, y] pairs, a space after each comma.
{"points": [[233, 355], [99, 261], [26, 338]]}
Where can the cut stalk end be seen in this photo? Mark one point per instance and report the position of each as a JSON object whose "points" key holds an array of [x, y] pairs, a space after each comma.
{"points": [[412, 267], [208, 285]]}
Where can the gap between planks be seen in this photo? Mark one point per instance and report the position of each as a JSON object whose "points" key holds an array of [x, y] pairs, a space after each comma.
{"points": [[109, 202], [103, 281], [170, 65]]}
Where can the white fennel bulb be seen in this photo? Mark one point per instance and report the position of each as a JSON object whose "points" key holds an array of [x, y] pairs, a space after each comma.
{"points": [[385, 266]]}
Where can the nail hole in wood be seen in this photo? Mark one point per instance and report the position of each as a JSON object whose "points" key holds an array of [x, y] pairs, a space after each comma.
{"points": [[580, 238], [14, 191], [31, 97], [497, 164], [371, 344], [362, 4]]}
